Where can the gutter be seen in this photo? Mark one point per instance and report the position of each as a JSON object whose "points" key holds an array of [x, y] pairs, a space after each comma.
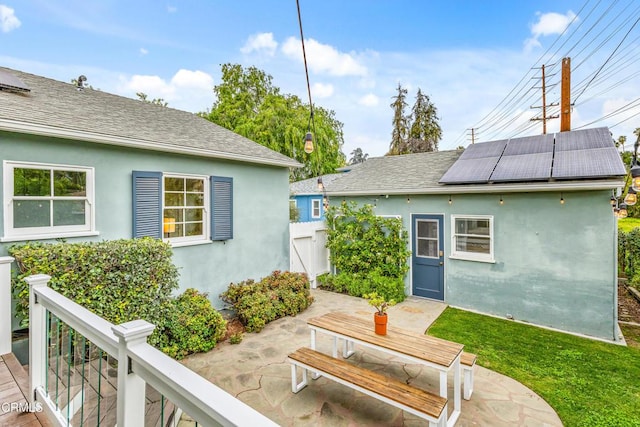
{"points": [[607, 184], [43, 130]]}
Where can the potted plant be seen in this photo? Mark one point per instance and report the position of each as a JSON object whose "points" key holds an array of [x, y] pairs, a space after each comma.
{"points": [[380, 317]]}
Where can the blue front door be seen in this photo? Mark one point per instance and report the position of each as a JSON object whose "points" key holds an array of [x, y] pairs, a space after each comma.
{"points": [[427, 258]]}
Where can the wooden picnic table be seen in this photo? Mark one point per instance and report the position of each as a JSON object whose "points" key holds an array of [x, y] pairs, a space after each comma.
{"points": [[432, 352]]}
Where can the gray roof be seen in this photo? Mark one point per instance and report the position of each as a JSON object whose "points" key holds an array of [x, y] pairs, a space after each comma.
{"points": [[54, 108], [409, 173], [310, 186]]}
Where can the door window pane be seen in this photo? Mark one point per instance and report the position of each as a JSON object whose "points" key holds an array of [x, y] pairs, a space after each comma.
{"points": [[427, 248]]}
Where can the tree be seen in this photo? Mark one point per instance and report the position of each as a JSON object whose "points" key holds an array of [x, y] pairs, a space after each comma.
{"points": [[400, 122], [357, 156], [249, 104], [155, 101], [425, 132]]}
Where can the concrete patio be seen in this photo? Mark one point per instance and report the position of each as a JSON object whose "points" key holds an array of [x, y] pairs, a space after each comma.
{"points": [[256, 371]]}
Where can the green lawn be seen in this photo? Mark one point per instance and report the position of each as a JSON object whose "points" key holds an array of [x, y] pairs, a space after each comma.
{"points": [[628, 224], [588, 383]]}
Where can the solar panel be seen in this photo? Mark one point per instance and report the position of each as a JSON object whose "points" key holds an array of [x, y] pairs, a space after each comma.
{"points": [[530, 145], [589, 163], [484, 149], [12, 83], [524, 167], [583, 139], [469, 171]]}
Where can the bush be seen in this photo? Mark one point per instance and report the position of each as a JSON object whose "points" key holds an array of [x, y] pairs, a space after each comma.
{"points": [[119, 280], [277, 295], [359, 285], [192, 326], [361, 242], [629, 255]]}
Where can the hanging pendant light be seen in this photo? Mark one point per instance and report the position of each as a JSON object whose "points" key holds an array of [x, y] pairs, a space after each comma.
{"points": [[622, 212], [631, 198], [308, 143]]}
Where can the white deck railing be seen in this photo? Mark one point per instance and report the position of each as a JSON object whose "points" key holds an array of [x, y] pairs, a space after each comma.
{"points": [[206, 403]]}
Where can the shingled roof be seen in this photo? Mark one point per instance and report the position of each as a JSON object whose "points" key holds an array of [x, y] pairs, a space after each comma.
{"points": [[57, 109], [405, 174]]}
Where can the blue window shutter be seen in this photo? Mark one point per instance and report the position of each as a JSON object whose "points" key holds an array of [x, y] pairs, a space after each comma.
{"points": [[221, 208], [147, 204]]}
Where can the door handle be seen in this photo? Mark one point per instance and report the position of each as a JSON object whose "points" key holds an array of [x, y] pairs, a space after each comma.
{"points": [[441, 263]]}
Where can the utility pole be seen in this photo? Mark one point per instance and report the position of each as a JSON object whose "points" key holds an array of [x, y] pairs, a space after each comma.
{"points": [[565, 96], [544, 106], [473, 135]]}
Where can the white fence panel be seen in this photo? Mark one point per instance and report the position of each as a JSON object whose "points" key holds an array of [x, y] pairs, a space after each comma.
{"points": [[308, 253]]}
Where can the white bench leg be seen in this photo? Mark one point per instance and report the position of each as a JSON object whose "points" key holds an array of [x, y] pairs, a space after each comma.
{"points": [[468, 382], [295, 385], [348, 349]]}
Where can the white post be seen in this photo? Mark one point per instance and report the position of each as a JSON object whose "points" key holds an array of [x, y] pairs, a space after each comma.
{"points": [[37, 336], [131, 388], [5, 304]]}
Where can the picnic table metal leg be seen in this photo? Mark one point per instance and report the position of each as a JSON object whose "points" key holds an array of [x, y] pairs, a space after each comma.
{"points": [[348, 349], [457, 392], [315, 375], [335, 346], [295, 385]]}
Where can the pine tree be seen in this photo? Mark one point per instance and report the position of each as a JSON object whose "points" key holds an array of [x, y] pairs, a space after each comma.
{"points": [[400, 123], [425, 132]]}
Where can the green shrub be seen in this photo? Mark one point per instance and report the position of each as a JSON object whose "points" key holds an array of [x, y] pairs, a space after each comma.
{"points": [[629, 255], [192, 326], [119, 280], [361, 242], [277, 295], [236, 338], [359, 285]]}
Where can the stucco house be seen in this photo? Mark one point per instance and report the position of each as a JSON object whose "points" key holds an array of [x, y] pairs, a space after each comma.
{"points": [[308, 196], [109, 167], [520, 228]]}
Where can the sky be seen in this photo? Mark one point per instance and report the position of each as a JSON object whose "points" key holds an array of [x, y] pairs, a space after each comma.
{"points": [[478, 61]]}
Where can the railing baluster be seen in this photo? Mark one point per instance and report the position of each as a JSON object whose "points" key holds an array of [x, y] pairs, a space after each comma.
{"points": [[84, 359], [100, 353], [58, 350], [70, 352]]}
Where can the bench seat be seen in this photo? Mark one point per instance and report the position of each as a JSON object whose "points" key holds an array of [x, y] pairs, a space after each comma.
{"points": [[468, 361], [406, 397]]}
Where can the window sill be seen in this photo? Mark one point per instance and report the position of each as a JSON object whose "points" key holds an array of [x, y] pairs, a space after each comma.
{"points": [[466, 258], [188, 243], [48, 236]]}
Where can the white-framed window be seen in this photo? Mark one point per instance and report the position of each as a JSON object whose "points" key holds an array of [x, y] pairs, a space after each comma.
{"points": [[427, 238], [472, 237], [47, 201], [185, 217], [316, 211]]}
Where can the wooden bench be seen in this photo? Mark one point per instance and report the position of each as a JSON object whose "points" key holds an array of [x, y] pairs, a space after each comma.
{"points": [[468, 361], [408, 398]]}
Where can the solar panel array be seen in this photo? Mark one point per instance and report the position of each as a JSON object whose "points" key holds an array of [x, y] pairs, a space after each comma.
{"points": [[581, 154], [12, 83]]}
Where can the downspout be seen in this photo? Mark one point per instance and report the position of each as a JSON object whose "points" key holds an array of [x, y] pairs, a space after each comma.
{"points": [[615, 280]]}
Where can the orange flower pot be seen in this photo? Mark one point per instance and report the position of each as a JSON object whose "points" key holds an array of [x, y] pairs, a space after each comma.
{"points": [[380, 321]]}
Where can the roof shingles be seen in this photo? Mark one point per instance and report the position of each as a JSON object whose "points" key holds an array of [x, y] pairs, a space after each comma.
{"points": [[61, 106]]}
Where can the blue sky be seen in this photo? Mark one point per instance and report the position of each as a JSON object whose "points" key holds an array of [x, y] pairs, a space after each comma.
{"points": [[466, 55]]}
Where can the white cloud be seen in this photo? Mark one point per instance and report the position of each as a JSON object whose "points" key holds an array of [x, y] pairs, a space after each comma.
{"points": [[261, 42], [143, 51], [322, 90], [194, 79], [8, 19], [186, 90], [369, 100], [548, 24], [172, 9], [323, 58]]}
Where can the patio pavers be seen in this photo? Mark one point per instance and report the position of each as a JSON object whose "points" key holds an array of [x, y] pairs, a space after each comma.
{"points": [[257, 372]]}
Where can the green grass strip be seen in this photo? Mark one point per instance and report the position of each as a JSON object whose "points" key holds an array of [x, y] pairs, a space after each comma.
{"points": [[587, 382]]}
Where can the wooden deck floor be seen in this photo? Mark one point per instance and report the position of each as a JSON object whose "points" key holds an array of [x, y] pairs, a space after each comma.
{"points": [[14, 381], [13, 384]]}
